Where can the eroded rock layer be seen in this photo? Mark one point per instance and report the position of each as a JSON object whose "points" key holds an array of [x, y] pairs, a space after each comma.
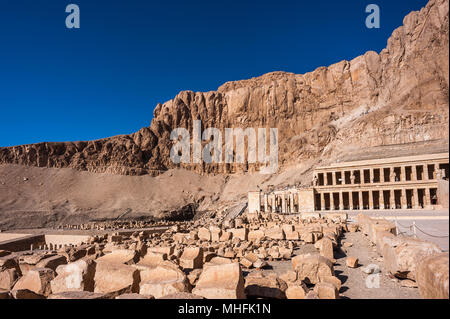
{"points": [[397, 96]]}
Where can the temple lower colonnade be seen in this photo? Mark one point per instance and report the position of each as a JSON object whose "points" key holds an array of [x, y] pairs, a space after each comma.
{"points": [[411, 182]]}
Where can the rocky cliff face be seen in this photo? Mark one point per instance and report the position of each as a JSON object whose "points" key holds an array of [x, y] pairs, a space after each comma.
{"points": [[398, 96]]}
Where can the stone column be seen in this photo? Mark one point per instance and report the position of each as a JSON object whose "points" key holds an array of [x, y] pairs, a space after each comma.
{"points": [[381, 198], [425, 172], [361, 176], [332, 203], [371, 175], [360, 197], [403, 200], [402, 174], [416, 198], [381, 175], [350, 200], [392, 198], [413, 173], [325, 178], [283, 204], [341, 201], [266, 203], [291, 203], [322, 201], [333, 178], [427, 197], [370, 200]]}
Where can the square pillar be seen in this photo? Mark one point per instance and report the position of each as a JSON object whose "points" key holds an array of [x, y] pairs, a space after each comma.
{"points": [[322, 201], [371, 175], [350, 200], [416, 198], [381, 175], [333, 178], [331, 201], [413, 173], [370, 200], [402, 174], [425, 172], [266, 203], [360, 197], [291, 203], [403, 200], [361, 176], [283, 204], [381, 197], [341, 201], [427, 197], [392, 199]]}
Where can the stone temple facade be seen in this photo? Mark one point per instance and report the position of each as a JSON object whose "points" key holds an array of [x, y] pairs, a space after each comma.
{"points": [[410, 182]]}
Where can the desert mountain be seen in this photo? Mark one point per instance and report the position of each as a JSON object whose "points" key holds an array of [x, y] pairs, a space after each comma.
{"points": [[397, 96]]}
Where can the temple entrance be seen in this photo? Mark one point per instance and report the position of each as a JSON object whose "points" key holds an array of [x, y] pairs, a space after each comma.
{"points": [[398, 198], [355, 202], [387, 199], [409, 198], [346, 199], [376, 199], [365, 198], [327, 201]]}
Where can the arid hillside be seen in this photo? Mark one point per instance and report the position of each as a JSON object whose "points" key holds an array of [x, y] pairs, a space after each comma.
{"points": [[397, 96]]}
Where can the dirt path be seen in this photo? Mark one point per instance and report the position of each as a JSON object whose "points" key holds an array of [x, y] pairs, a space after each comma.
{"points": [[354, 279]]}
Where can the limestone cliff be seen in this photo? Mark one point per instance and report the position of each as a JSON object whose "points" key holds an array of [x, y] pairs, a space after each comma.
{"points": [[398, 96]]}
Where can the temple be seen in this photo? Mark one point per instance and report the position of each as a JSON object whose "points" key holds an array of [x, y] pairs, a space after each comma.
{"points": [[409, 182]]}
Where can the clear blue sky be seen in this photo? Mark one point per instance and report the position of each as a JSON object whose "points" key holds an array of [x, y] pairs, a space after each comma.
{"points": [[105, 78]]}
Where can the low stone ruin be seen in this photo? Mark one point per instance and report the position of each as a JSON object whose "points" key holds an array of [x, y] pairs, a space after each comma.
{"points": [[213, 257]]}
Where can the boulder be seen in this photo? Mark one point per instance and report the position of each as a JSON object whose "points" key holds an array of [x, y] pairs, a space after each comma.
{"points": [[296, 291], [192, 258], [432, 276], [120, 256], [163, 280], [402, 255], [152, 259], [9, 272], [332, 280], [115, 278], [76, 276], [259, 285], [311, 267], [325, 246], [204, 234], [25, 294], [275, 233], [36, 280], [52, 262], [326, 290], [241, 233], [256, 235], [351, 262], [216, 232], [221, 282]]}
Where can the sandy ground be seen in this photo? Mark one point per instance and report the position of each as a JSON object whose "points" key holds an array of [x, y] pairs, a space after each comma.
{"points": [[45, 197], [353, 279]]}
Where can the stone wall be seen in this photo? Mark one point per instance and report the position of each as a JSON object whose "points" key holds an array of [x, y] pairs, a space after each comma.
{"points": [[409, 258], [22, 243]]}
